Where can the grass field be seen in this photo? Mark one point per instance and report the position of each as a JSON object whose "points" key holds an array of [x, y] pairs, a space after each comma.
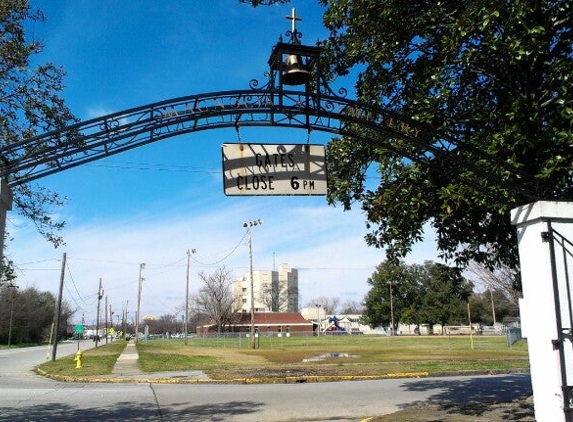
{"points": [[366, 356], [332, 356], [96, 361]]}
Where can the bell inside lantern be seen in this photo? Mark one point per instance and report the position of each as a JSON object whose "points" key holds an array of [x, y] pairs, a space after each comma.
{"points": [[294, 72]]}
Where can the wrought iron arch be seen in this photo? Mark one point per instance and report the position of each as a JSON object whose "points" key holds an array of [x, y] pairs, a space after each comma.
{"points": [[313, 106], [108, 135], [112, 134]]}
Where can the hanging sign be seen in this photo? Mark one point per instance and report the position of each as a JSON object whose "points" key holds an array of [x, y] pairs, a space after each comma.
{"points": [[275, 169]]}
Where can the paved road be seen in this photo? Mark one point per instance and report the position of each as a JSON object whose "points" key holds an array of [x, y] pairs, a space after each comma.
{"points": [[25, 396]]}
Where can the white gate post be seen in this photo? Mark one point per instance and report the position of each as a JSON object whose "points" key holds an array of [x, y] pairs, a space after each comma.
{"points": [[544, 306]]}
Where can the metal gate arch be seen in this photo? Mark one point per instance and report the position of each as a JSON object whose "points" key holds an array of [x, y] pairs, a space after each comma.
{"points": [[296, 94], [108, 135]]}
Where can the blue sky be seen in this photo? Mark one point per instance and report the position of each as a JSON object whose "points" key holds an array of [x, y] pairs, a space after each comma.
{"points": [[152, 204]]}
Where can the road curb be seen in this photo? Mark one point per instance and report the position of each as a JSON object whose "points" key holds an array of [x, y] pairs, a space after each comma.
{"points": [[275, 380], [265, 380]]}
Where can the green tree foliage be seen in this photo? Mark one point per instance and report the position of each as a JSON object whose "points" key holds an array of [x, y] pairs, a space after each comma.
{"points": [[488, 80], [390, 279], [484, 304], [444, 294], [431, 294], [30, 104], [7, 273], [495, 77], [32, 314]]}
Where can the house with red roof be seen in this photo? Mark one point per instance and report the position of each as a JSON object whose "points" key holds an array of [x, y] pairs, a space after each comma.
{"points": [[281, 323]]}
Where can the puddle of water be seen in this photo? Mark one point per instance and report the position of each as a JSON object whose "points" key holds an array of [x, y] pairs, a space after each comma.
{"points": [[329, 355]]}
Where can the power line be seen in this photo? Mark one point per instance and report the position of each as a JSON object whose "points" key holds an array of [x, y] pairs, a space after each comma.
{"points": [[76, 287], [155, 167], [232, 251]]}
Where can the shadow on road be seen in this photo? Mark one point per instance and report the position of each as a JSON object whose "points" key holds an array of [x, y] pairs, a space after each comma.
{"points": [[476, 396], [211, 412], [128, 412]]}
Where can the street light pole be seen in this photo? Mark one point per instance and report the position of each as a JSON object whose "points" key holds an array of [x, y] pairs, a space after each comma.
{"points": [[248, 225], [189, 252]]}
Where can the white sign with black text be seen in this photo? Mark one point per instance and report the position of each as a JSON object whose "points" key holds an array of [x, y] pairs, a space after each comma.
{"points": [[275, 169]]}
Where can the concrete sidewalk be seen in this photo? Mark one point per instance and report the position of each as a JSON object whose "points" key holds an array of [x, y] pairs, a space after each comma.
{"points": [[127, 368], [127, 364]]}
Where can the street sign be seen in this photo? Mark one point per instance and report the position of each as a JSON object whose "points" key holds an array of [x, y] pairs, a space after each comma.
{"points": [[274, 169], [79, 329]]}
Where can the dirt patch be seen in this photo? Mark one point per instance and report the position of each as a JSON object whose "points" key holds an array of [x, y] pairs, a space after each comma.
{"points": [[518, 410]]}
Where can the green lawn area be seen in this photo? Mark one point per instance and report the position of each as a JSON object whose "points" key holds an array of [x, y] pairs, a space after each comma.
{"points": [[96, 361], [341, 356], [362, 356]]}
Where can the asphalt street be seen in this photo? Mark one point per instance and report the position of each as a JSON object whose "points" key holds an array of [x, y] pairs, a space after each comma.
{"points": [[26, 396]]}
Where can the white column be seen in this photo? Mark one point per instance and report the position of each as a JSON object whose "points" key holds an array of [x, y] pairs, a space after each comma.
{"points": [[538, 309]]}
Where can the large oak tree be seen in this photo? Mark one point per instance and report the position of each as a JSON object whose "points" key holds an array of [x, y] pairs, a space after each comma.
{"points": [[492, 80]]}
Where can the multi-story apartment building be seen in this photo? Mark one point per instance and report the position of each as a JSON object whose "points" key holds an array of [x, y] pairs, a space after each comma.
{"points": [[274, 291]]}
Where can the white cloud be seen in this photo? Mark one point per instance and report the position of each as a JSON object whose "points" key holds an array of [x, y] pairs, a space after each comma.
{"points": [[325, 243]]}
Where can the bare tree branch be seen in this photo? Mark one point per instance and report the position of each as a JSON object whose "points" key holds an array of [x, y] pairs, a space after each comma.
{"points": [[215, 298]]}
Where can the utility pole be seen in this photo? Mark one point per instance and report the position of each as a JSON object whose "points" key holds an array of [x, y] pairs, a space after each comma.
{"points": [[12, 296], [318, 322], [111, 321], [58, 308], [125, 312], [392, 309], [99, 296], [492, 305], [189, 252], [137, 316], [105, 311]]}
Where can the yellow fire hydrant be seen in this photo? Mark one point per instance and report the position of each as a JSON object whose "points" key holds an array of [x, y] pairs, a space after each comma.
{"points": [[78, 359]]}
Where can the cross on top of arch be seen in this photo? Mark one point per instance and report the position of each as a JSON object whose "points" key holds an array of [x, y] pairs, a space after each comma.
{"points": [[293, 17]]}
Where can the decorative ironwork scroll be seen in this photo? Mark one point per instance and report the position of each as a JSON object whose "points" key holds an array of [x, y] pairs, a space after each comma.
{"points": [[108, 135], [84, 142]]}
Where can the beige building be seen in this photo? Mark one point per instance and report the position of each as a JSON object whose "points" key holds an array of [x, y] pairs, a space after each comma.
{"points": [[274, 291]]}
